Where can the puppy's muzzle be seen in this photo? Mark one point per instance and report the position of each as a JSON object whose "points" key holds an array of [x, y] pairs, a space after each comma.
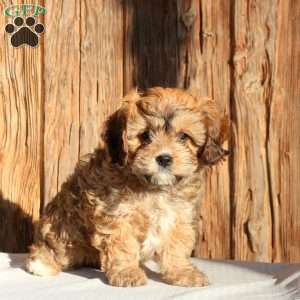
{"points": [[164, 160]]}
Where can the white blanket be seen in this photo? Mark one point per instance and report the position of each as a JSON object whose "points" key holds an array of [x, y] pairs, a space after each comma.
{"points": [[230, 280]]}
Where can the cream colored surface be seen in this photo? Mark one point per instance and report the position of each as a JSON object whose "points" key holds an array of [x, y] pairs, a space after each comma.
{"points": [[230, 281]]}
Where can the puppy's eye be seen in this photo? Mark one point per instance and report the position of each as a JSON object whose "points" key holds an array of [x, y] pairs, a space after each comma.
{"points": [[182, 136], [145, 137]]}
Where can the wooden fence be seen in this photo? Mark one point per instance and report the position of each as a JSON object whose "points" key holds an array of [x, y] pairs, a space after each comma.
{"points": [[243, 53]]}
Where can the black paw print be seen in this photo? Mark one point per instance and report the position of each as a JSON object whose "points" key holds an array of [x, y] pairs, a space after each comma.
{"points": [[24, 34]]}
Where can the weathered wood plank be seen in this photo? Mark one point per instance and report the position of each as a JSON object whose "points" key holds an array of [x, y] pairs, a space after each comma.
{"points": [[101, 67], [62, 92], [284, 139], [150, 42], [20, 140], [129, 76], [203, 31], [254, 35]]}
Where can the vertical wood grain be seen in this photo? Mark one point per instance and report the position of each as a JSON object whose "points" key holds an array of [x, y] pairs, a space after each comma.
{"points": [[129, 76], [20, 139], [203, 30], [62, 92], [254, 36], [101, 67], [284, 138], [150, 44]]}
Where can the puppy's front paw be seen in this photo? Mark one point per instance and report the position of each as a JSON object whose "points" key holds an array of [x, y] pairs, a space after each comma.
{"points": [[39, 267], [190, 277], [133, 276]]}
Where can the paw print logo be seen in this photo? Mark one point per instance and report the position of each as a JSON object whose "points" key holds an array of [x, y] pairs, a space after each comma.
{"points": [[24, 33]]}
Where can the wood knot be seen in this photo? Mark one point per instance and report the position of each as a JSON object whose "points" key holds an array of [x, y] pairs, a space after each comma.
{"points": [[188, 18]]}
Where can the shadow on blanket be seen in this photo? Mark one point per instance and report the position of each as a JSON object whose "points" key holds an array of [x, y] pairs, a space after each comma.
{"points": [[279, 272], [18, 260]]}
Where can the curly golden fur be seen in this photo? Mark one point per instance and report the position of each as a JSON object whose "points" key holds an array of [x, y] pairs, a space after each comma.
{"points": [[135, 198]]}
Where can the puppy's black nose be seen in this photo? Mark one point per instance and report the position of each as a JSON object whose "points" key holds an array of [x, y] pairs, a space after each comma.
{"points": [[164, 160]]}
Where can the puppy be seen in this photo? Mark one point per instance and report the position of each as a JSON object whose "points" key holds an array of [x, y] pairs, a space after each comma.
{"points": [[135, 198]]}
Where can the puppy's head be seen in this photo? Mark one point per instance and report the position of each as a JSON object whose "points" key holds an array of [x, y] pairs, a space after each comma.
{"points": [[164, 135]]}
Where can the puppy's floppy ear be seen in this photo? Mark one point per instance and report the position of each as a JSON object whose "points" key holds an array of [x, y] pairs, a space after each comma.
{"points": [[115, 137], [217, 132], [212, 152]]}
